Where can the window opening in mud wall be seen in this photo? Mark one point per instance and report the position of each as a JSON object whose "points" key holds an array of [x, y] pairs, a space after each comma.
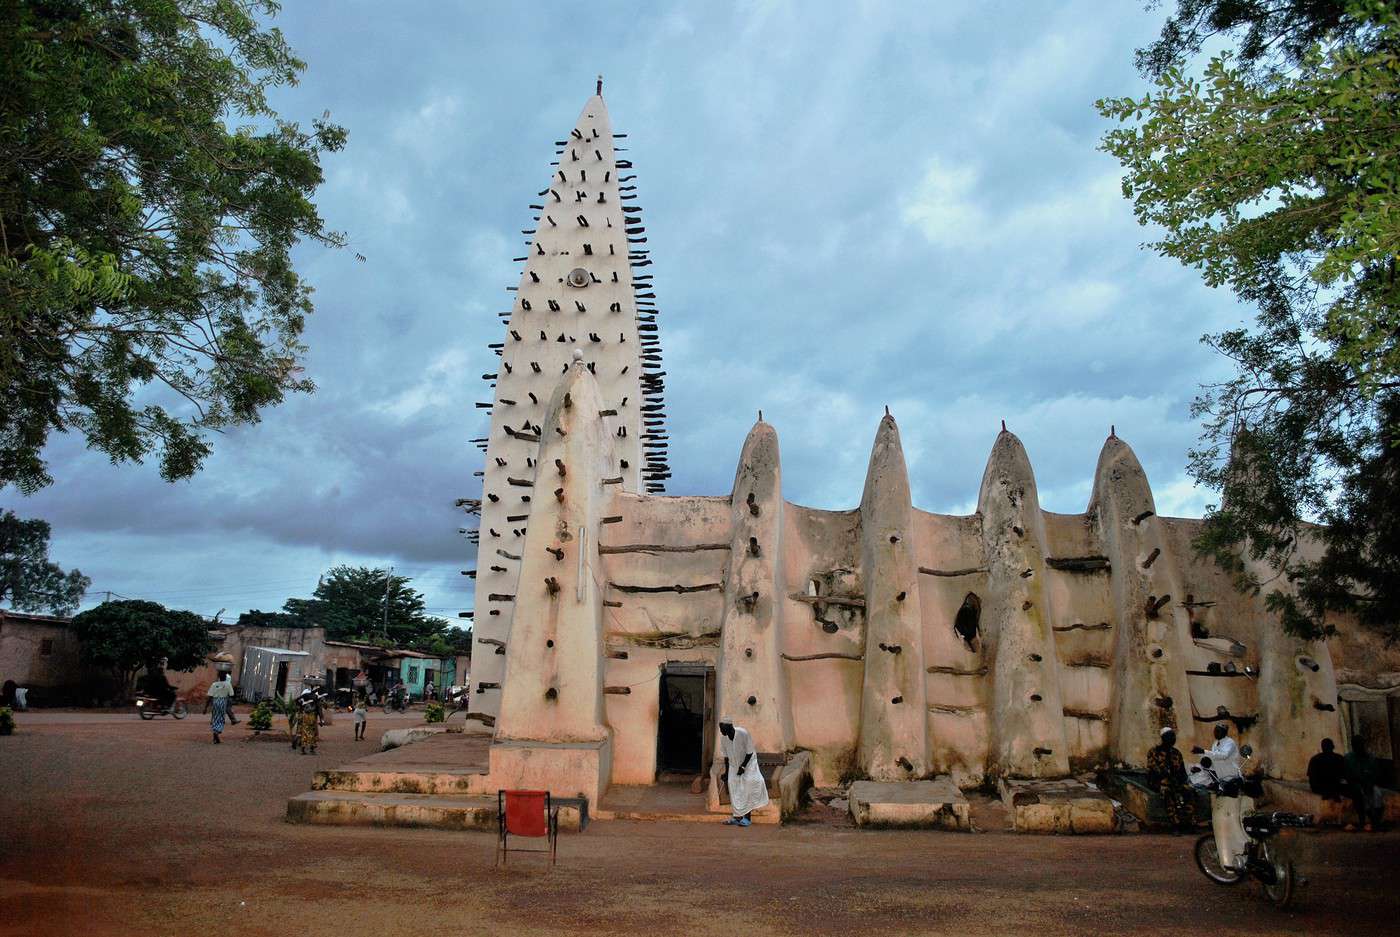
{"points": [[967, 624]]}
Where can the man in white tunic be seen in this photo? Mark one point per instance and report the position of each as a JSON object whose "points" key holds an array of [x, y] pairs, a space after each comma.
{"points": [[747, 789], [1228, 806], [1224, 754]]}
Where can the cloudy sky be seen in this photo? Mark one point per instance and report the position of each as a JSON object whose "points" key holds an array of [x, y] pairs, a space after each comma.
{"points": [[849, 205]]}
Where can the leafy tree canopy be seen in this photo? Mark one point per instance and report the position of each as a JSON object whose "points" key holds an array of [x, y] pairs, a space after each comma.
{"points": [[1269, 33], [147, 293], [260, 619], [28, 581], [349, 602], [450, 643], [125, 636], [1278, 178]]}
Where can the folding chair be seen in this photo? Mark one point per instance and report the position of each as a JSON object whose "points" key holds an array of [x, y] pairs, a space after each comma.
{"points": [[525, 813]]}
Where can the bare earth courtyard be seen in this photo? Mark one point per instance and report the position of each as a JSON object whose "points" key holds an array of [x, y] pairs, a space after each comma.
{"points": [[109, 825]]}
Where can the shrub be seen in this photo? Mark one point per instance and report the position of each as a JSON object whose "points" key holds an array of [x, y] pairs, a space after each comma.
{"points": [[7, 720], [260, 720], [435, 712]]}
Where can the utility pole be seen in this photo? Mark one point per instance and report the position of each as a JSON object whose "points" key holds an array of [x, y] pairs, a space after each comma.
{"points": [[388, 580]]}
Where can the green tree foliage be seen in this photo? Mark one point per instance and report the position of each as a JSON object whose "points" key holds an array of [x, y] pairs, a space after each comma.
{"points": [[128, 635], [349, 603], [1278, 179], [260, 619], [449, 643], [28, 581], [1269, 33], [147, 293], [260, 719]]}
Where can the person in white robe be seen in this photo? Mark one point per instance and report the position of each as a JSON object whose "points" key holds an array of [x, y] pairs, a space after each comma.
{"points": [[748, 791]]}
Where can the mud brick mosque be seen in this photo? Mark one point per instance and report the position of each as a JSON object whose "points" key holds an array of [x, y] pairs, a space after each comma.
{"points": [[614, 624]]}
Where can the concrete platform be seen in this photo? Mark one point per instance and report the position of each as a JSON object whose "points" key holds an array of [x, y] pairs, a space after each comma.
{"points": [[936, 804], [669, 802], [439, 764], [1062, 805], [1130, 789], [349, 808]]}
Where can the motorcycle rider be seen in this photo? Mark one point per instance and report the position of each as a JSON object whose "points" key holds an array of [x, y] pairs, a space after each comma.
{"points": [[154, 684], [1224, 754], [1228, 804]]}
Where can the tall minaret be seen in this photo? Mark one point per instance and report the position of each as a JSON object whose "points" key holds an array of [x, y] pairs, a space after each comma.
{"points": [[584, 287]]}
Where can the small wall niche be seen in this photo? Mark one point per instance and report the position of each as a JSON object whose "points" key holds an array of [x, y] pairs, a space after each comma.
{"points": [[967, 623]]}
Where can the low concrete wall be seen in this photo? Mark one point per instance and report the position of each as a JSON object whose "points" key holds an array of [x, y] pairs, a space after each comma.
{"points": [[936, 804], [332, 808], [1058, 807], [1130, 789], [395, 738], [1296, 797], [793, 783]]}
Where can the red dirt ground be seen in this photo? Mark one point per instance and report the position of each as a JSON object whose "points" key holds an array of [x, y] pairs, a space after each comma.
{"points": [[112, 826]]}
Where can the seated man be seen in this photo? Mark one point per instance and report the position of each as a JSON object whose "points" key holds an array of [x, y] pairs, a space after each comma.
{"points": [[1166, 774], [1327, 772]]}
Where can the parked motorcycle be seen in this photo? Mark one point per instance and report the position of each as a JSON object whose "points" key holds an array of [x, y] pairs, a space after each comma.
{"points": [[148, 707], [456, 698], [1263, 860]]}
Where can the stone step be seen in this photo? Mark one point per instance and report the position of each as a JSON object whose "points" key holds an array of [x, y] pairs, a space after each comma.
{"points": [[765, 815], [390, 780], [348, 808], [936, 804], [1059, 805], [673, 802]]}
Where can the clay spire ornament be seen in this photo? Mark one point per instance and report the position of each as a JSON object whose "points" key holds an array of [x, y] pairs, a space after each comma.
{"points": [[580, 295]]}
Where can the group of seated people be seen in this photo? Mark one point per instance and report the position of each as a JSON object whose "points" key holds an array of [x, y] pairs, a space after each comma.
{"points": [[1355, 776]]}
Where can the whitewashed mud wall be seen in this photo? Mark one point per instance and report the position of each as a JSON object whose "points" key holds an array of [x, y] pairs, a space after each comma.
{"points": [[835, 631]]}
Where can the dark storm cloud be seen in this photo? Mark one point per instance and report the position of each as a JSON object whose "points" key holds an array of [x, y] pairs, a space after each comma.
{"points": [[849, 207]]}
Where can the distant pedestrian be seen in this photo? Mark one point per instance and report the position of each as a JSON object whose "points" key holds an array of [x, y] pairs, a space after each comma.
{"points": [[361, 717], [308, 722], [220, 696]]}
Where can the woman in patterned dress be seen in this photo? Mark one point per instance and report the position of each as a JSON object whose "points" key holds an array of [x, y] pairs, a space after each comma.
{"points": [[308, 722]]}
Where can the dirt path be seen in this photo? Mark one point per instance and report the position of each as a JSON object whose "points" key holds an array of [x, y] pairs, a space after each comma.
{"points": [[114, 827]]}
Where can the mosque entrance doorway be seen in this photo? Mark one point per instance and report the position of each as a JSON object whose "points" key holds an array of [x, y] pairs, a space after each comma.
{"points": [[686, 727]]}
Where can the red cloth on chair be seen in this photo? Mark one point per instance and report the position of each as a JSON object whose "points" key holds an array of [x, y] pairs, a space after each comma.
{"points": [[525, 813]]}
